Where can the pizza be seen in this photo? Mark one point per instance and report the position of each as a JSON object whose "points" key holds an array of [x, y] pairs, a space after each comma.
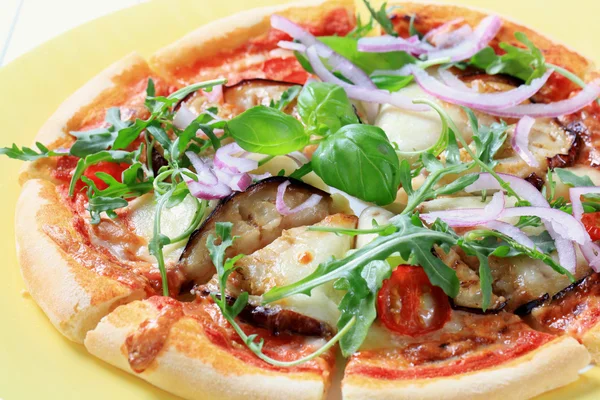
{"points": [[412, 190]]}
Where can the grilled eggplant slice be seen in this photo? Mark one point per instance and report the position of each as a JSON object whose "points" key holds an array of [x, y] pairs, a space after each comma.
{"points": [[253, 92], [256, 222]]}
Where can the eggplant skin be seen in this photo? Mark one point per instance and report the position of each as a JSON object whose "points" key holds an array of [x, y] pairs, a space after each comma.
{"points": [[256, 222], [525, 309], [575, 130], [499, 306]]}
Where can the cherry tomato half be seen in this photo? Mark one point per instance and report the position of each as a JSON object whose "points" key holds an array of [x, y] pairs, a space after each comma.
{"points": [[113, 169], [591, 221], [410, 305]]}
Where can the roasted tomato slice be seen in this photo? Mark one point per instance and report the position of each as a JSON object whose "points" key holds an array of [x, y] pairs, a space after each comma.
{"points": [[591, 221], [409, 304], [113, 169]]}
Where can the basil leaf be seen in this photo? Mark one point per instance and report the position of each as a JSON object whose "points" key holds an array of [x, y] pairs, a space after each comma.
{"points": [[363, 148], [325, 108], [359, 301], [266, 130], [569, 178], [368, 62], [392, 83]]}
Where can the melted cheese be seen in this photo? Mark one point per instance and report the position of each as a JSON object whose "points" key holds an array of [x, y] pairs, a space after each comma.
{"points": [[174, 221], [370, 214], [293, 256]]}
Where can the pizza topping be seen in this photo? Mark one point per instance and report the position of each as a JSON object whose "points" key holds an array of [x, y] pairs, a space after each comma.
{"points": [[409, 305], [283, 209], [520, 140]]}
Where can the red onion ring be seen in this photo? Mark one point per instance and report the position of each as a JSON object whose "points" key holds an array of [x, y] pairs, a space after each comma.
{"points": [[224, 159], [560, 220], [285, 44], [480, 101], [203, 170], [207, 192], [299, 158], [359, 93], [215, 95], [295, 31], [283, 209], [443, 28], [564, 246], [452, 80], [520, 141], [445, 40], [469, 216], [482, 35], [552, 110], [512, 231], [590, 250], [183, 117], [387, 43]]}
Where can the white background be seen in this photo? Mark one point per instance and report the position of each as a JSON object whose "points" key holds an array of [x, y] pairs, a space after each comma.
{"points": [[24, 24]]}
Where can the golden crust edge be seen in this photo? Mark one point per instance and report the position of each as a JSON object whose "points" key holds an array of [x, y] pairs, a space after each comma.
{"points": [[73, 298], [192, 367], [553, 365], [232, 31]]}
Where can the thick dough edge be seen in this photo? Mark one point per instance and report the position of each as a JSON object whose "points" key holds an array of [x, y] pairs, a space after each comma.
{"points": [[73, 297], [552, 365], [231, 32], [191, 366]]}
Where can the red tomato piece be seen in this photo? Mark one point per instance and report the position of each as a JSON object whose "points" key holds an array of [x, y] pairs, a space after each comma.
{"points": [[591, 221], [410, 305], [113, 169]]}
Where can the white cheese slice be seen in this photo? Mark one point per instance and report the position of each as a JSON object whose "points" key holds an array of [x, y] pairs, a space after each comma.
{"points": [[293, 256]]}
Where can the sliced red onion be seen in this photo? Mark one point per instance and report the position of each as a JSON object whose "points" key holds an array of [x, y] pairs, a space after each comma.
{"points": [[207, 192], [564, 246], [299, 158], [236, 181], [590, 250], [203, 170], [552, 110], [520, 141], [260, 177], [387, 43], [183, 117], [482, 35], [469, 216], [443, 28], [480, 101], [560, 220], [445, 40], [512, 231], [452, 80], [283, 209], [215, 95], [295, 31], [359, 93], [225, 160], [284, 44]]}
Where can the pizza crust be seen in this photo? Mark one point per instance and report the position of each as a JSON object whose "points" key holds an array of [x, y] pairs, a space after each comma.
{"points": [[105, 90], [191, 366], [231, 32], [73, 297], [553, 365]]}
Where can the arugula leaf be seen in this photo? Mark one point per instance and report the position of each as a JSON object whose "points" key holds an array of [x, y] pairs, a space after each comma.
{"points": [[523, 63], [28, 154], [115, 156], [92, 141], [325, 108], [362, 286], [381, 17], [266, 130], [412, 31], [414, 243], [488, 139], [569, 178], [360, 29], [392, 83], [363, 148], [286, 97]]}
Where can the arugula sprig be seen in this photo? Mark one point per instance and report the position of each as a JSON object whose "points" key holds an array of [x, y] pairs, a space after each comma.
{"points": [[29, 154], [382, 18], [224, 267]]}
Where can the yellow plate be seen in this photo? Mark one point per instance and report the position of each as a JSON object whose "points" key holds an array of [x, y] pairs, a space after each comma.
{"points": [[35, 360]]}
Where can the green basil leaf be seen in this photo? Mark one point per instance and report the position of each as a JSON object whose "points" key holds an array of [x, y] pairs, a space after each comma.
{"points": [[266, 130], [392, 83], [363, 148], [325, 108]]}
